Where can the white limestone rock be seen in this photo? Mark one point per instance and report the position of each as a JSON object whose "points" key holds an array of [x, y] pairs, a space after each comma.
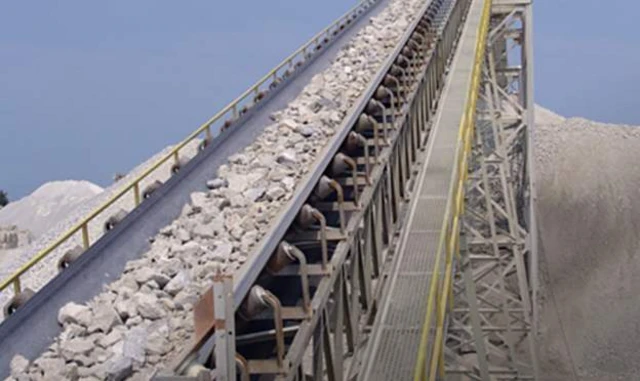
{"points": [[177, 283], [105, 317], [126, 309], [75, 347], [75, 313], [118, 368], [287, 157], [158, 340], [133, 346], [149, 307], [199, 200], [19, 365], [111, 339], [275, 193], [216, 183], [148, 274]]}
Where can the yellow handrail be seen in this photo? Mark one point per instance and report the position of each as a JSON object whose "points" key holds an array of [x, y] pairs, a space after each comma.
{"points": [[441, 293], [253, 93]]}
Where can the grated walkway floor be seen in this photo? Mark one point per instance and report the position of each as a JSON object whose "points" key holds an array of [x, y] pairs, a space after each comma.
{"points": [[396, 333]]}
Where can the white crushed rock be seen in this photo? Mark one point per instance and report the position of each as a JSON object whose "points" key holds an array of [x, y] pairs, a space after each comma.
{"points": [[588, 186], [45, 270], [218, 230], [546, 116], [48, 205]]}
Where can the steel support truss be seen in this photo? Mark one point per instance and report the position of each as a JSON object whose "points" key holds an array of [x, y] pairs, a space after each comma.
{"points": [[491, 332]]}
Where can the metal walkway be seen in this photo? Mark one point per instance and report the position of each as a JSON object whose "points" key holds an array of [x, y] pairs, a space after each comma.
{"points": [[397, 330]]}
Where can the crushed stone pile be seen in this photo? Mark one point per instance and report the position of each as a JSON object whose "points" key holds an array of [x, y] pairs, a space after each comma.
{"points": [[47, 205], [45, 270], [141, 319], [588, 186]]}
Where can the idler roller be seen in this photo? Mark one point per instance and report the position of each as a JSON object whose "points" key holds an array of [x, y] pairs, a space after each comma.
{"points": [[375, 105], [258, 301], [327, 186], [114, 220], [399, 72], [260, 96], [254, 303], [340, 164], [367, 123], [69, 257], [179, 163], [402, 61], [426, 23], [354, 141], [288, 73], [17, 301], [396, 71], [276, 81], [306, 217], [408, 52], [416, 43], [285, 255], [148, 191], [205, 142], [384, 93], [228, 123], [324, 188]]}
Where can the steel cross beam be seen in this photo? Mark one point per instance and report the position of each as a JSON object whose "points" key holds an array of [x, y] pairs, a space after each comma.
{"points": [[491, 332]]}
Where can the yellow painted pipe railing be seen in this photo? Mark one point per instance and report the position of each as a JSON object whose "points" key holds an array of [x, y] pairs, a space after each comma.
{"points": [[440, 296], [220, 121]]}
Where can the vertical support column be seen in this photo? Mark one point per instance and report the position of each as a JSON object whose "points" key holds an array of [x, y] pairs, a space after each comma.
{"points": [[223, 313], [532, 223]]}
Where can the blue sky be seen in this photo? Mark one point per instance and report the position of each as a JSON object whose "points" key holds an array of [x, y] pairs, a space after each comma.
{"points": [[91, 88]]}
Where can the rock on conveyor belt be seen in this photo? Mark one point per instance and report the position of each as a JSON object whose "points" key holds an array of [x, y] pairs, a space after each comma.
{"points": [[46, 269], [145, 316], [588, 186]]}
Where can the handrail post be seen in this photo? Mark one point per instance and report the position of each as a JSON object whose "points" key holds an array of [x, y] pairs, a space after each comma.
{"points": [[136, 192], [17, 288], [85, 236]]}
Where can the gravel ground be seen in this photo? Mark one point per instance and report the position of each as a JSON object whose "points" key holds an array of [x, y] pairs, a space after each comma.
{"points": [[46, 269], [145, 316], [589, 218]]}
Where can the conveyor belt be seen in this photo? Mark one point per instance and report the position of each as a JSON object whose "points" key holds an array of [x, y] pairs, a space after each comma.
{"points": [[397, 329], [31, 329]]}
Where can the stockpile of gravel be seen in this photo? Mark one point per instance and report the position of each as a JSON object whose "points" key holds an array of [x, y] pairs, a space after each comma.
{"points": [[589, 217], [48, 205], [46, 269], [145, 316]]}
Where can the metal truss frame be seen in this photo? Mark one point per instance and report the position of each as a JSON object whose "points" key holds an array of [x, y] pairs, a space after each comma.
{"points": [[492, 330]]}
